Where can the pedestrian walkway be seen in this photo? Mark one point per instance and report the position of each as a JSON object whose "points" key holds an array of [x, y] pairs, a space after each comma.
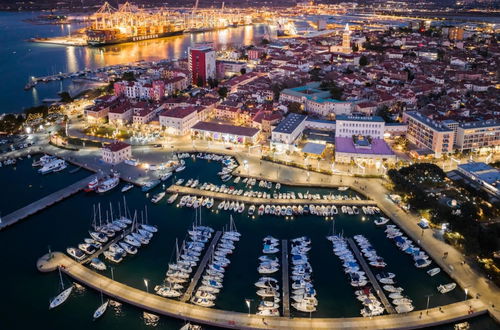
{"points": [[286, 283]]}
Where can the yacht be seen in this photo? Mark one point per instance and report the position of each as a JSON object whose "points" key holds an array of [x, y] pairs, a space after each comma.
{"points": [[61, 297], [54, 166], [130, 249], [158, 197], [76, 253], [109, 183], [101, 309], [434, 271], [381, 221], [172, 198]]}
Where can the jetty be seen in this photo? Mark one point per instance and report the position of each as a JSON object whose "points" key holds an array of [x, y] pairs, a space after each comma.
{"points": [[153, 303], [256, 200], [203, 264], [43, 203], [286, 282], [388, 306]]}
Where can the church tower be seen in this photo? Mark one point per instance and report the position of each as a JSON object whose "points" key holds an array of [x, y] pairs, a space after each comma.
{"points": [[346, 40]]}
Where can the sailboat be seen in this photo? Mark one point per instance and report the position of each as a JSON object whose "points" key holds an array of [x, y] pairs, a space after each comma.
{"points": [[101, 309], [61, 297]]}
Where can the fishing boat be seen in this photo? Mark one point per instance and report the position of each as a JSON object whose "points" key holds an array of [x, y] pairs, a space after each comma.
{"points": [[127, 187], [445, 288], [92, 185], [61, 297]]}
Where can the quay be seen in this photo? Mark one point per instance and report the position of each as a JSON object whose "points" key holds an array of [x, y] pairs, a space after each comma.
{"points": [[43, 203], [194, 281], [256, 200], [380, 292], [234, 320], [286, 283]]}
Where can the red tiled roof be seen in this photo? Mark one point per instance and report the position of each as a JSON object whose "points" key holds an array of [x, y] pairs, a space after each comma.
{"points": [[117, 146]]}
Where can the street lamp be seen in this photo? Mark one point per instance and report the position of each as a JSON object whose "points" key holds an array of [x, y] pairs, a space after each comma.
{"points": [[146, 283], [466, 290], [248, 301], [428, 300]]}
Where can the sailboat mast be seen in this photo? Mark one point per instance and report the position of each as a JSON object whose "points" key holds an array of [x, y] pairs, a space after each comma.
{"points": [[60, 278], [99, 207]]}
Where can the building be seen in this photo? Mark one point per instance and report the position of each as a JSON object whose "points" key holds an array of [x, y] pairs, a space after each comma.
{"points": [[121, 114], [229, 68], [316, 101], [427, 133], [225, 133], [483, 174], [202, 64], [179, 120], [345, 47], [140, 89], [116, 152], [456, 33], [347, 126], [478, 135], [283, 137]]}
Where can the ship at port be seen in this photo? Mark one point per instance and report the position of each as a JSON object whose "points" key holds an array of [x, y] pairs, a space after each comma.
{"points": [[128, 23]]}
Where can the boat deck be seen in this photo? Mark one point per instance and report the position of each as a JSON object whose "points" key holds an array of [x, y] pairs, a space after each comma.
{"points": [[378, 290], [286, 282], [256, 200], [43, 203], [194, 281], [234, 320]]}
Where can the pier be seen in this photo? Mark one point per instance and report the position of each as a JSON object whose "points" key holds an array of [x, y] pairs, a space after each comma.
{"points": [[276, 201], [234, 320], [194, 281], [380, 292], [286, 283], [43, 203]]}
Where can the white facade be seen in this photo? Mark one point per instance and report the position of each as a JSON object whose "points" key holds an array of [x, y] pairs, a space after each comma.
{"points": [[116, 153], [347, 126], [176, 124]]}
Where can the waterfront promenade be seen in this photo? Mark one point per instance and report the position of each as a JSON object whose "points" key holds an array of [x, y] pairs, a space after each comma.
{"points": [[44, 202], [258, 201], [226, 319]]}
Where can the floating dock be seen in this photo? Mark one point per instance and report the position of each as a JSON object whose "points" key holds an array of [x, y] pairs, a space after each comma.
{"points": [[256, 200], [286, 282], [201, 268], [43, 203], [378, 290]]}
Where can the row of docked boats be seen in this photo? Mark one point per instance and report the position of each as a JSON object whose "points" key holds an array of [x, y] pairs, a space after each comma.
{"points": [[406, 245], [371, 305], [402, 303], [195, 202], [50, 164], [303, 293], [267, 286], [187, 258], [213, 276], [104, 184]]}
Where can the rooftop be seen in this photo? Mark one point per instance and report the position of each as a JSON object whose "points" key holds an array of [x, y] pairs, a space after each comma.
{"points": [[378, 147], [313, 148], [483, 171], [290, 123], [428, 122], [480, 124], [116, 146], [226, 129], [360, 118]]}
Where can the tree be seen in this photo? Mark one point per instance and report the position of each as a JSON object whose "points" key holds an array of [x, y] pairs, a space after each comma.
{"points": [[363, 60], [222, 92], [65, 97], [212, 82], [336, 93], [265, 41], [199, 81], [243, 71], [315, 74], [128, 76], [295, 107], [355, 48]]}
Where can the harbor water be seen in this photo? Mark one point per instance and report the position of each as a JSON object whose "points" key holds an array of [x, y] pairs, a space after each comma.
{"points": [[67, 223]]}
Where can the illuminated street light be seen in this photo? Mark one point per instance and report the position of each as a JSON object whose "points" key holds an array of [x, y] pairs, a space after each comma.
{"points": [[146, 283]]}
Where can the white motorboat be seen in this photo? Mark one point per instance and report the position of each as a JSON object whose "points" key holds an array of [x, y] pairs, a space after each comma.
{"points": [[130, 249], [127, 187], [434, 271], [172, 198], [76, 253], [445, 288], [404, 308], [381, 221], [97, 264], [53, 166], [180, 168], [158, 197], [304, 306], [109, 183]]}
